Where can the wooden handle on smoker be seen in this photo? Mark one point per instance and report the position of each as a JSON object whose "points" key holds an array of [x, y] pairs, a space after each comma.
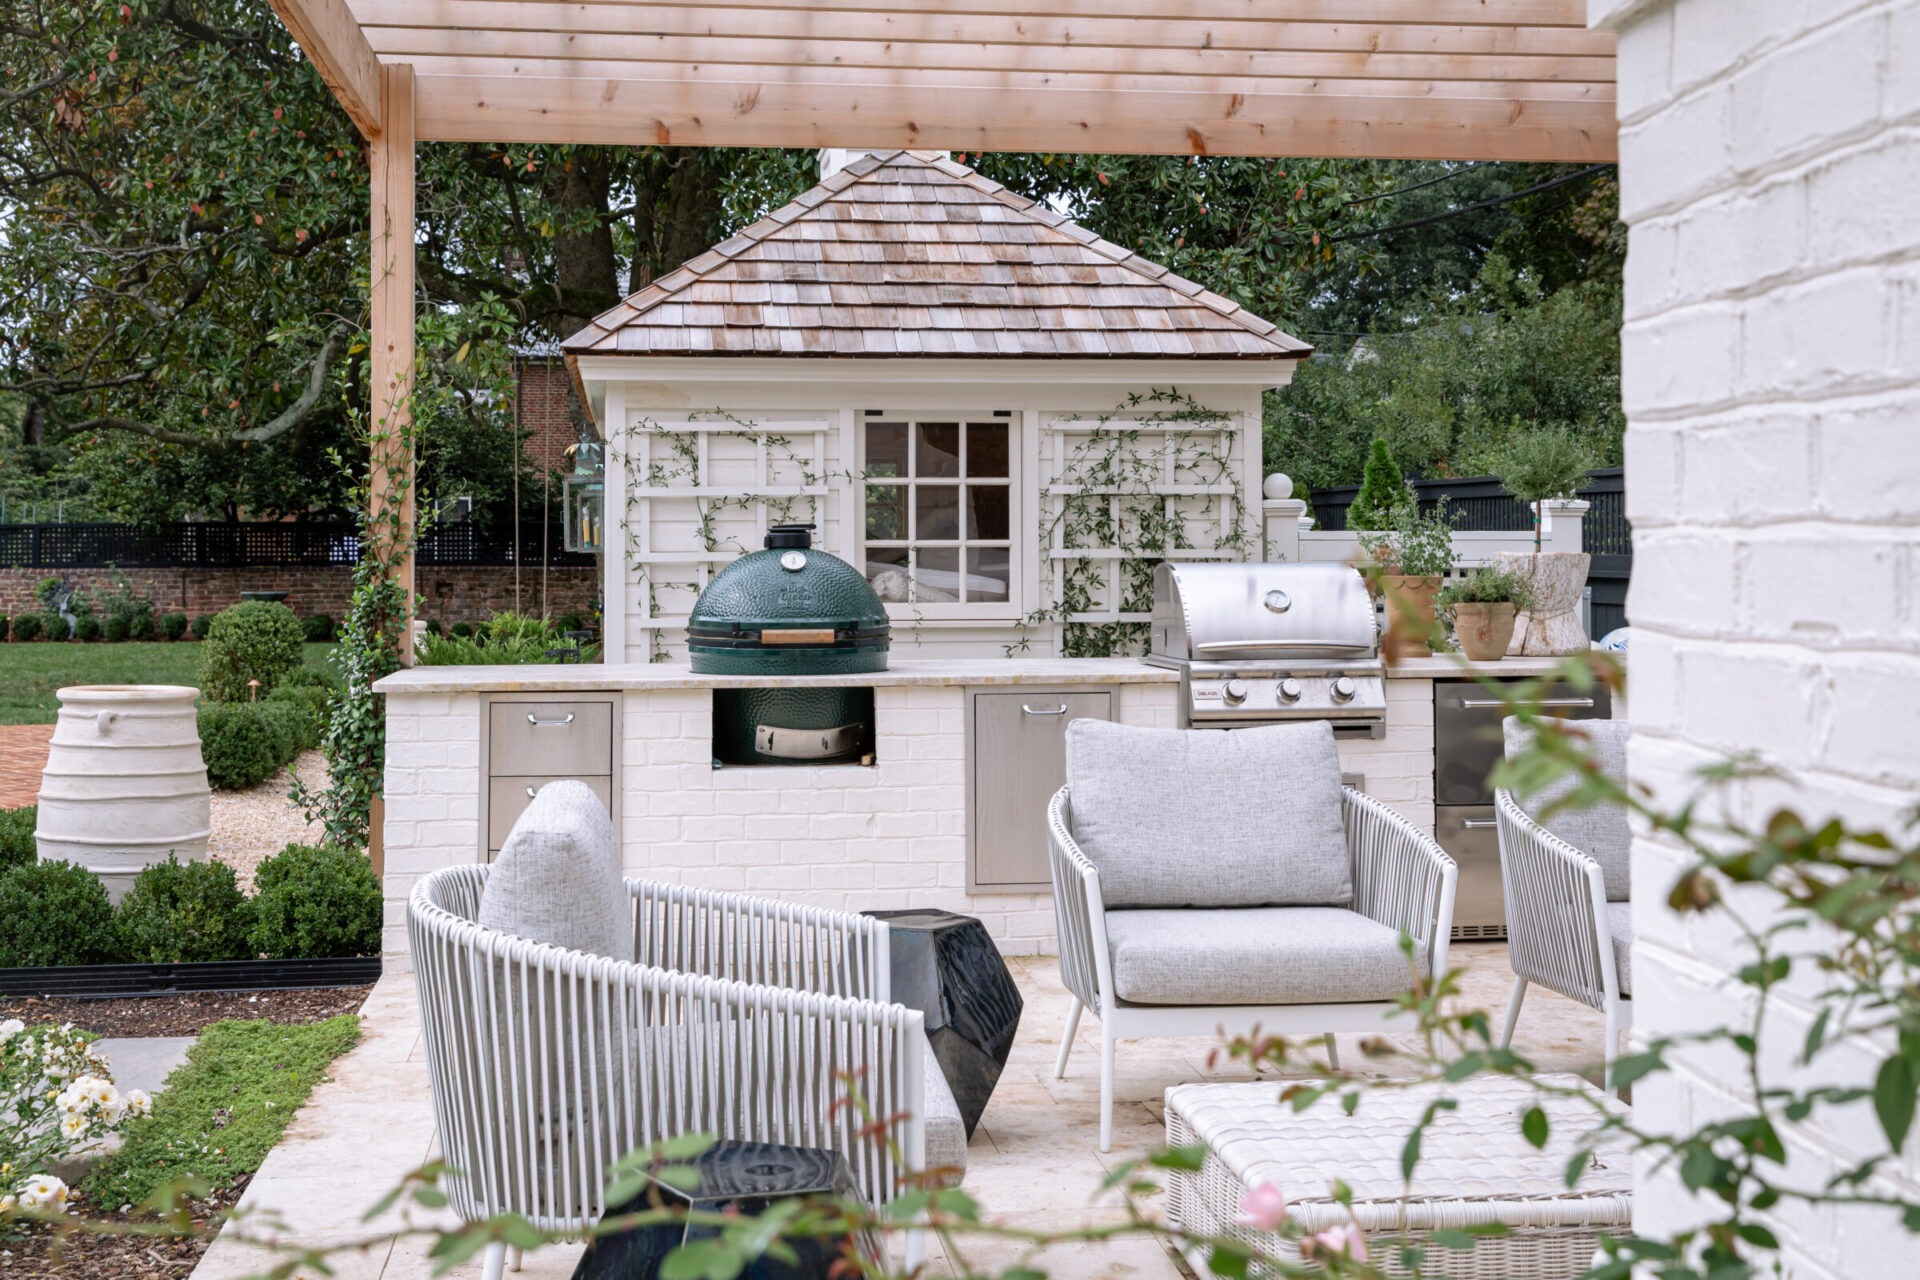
{"points": [[796, 636]]}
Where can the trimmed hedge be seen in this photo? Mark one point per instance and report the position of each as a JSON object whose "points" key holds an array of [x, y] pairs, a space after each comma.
{"points": [[241, 747], [200, 626], [316, 902], [179, 912], [58, 628], [17, 847], [56, 913], [253, 640], [87, 628], [28, 626], [173, 626]]}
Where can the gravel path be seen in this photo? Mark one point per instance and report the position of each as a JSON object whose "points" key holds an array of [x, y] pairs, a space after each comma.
{"points": [[251, 825]]}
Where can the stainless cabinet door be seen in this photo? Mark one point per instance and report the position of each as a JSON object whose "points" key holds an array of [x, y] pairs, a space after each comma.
{"points": [[1467, 832], [508, 798], [555, 739], [1018, 746]]}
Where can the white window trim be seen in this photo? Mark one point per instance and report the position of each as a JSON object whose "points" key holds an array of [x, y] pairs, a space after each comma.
{"points": [[1019, 532]]}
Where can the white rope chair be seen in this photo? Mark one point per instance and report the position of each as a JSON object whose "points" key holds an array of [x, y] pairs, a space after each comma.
{"points": [[1561, 930], [1401, 879], [738, 1017]]}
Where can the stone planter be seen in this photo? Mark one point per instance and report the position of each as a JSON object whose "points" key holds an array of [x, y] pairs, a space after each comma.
{"points": [[124, 784], [1552, 627], [1410, 618], [1483, 629]]}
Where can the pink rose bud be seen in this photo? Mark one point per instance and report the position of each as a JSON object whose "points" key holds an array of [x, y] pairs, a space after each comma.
{"points": [[1342, 1241], [1263, 1208]]}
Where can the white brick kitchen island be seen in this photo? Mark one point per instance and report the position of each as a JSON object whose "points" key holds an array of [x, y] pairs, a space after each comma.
{"points": [[846, 836]]}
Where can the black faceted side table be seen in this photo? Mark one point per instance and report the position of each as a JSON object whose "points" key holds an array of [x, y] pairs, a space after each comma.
{"points": [[946, 966], [742, 1176]]}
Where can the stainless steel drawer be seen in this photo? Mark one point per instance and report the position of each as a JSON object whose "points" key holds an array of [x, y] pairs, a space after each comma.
{"points": [[508, 798], [550, 739], [1467, 832], [1467, 737]]}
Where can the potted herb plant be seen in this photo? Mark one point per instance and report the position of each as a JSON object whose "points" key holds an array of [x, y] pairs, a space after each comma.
{"points": [[1482, 606], [1407, 564], [1537, 467]]}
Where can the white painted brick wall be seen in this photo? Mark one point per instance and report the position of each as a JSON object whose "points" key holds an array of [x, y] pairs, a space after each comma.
{"points": [[1770, 167]]}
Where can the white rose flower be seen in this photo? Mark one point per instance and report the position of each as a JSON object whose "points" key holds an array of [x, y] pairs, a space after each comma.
{"points": [[11, 1028], [7, 1203], [139, 1103], [44, 1193], [73, 1126], [100, 1092]]}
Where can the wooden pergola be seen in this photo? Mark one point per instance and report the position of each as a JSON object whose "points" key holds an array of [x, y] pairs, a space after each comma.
{"points": [[1410, 79]]}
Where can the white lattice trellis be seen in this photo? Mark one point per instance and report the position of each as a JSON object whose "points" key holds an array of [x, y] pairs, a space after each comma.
{"points": [[1171, 489], [702, 492]]}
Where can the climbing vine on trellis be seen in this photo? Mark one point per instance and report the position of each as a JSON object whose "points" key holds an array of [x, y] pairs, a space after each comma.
{"points": [[1147, 475], [674, 461]]}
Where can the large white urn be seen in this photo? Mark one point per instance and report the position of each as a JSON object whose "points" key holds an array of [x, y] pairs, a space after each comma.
{"points": [[124, 784], [1552, 626]]}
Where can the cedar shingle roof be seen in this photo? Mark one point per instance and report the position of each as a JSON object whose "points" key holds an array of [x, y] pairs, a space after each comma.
{"points": [[913, 254]]}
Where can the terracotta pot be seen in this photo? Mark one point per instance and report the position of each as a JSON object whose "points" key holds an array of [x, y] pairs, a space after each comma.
{"points": [[124, 785], [1411, 623], [1484, 629], [1552, 627]]}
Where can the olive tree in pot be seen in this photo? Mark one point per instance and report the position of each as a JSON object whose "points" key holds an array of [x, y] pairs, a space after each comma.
{"points": [[1538, 467], [1407, 564], [1482, 606]]}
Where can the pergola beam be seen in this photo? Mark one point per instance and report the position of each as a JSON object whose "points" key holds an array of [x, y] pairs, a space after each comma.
{"points": [[1486, 13], [847, 113], [329, 34]]}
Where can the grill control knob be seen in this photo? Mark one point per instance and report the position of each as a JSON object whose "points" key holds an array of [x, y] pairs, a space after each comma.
{"points": [[1289, 690], [1234, 691], [1344, 688]]}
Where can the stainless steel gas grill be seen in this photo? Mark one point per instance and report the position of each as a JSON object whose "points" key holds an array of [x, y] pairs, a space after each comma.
{"points": [[1270, 644]]}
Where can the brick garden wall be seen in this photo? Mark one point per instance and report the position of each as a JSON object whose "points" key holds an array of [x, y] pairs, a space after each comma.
{"points": [[451, 594], [1769, 171]]}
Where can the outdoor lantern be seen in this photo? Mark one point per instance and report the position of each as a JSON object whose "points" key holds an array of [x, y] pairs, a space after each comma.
{"points": [[584, 499]]}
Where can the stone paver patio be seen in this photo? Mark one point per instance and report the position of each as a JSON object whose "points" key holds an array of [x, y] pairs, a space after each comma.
{"points": [[1033, 1156]]}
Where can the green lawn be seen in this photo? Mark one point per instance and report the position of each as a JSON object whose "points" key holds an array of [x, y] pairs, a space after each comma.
{"points": [[29, 673]]}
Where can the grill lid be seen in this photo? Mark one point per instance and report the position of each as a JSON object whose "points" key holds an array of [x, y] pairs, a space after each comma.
{"points": [[788, 610], [1261, 613]]}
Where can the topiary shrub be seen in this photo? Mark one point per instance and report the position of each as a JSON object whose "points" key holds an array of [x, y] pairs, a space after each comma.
{"points": [[87, 629], [253, 640], [116, 628], [28, 626], [56, 913], [240, 748], [17, 847], [58, 628], [315, 902], [182, 912], [1382, 490], [318, 628], [173, 626], [200, 626]]}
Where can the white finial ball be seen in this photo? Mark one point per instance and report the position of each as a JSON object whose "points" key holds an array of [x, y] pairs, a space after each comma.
{"points": [[1279, 485]]}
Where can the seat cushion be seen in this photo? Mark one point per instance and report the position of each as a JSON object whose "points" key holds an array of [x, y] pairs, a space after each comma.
{"points": [[1263, 955], [557, 878], [945, 1128], [1204, 818], [1598, 830], [1620, 925]]}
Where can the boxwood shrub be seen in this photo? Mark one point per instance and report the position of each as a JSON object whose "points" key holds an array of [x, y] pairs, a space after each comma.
{"points": [[200, 626], [240, 747], [28, 626], [56, 913], [252, 640], [180, 912], [173, 626], [317, 628], [17, 847], [315, 902], [86, 628], [58, 628]]}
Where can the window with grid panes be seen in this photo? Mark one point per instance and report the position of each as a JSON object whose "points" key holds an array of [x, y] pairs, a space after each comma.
{"points": [[939, 509]]}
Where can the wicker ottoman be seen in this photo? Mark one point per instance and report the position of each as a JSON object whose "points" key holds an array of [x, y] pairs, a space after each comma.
{"points": [[1475, 1168]]}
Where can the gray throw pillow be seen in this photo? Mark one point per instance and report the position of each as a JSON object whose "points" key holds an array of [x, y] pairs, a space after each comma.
{"points": [[1600, 830], [1206, 818], [557, 879]]}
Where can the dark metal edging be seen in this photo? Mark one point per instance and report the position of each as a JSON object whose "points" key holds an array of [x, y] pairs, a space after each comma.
{"points": [[109, 981]]}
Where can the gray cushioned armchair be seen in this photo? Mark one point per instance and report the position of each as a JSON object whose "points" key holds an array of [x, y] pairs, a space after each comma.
{"points": [[1204, 879]]}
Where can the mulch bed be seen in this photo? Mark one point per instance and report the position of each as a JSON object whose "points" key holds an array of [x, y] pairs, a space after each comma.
{"points": [[39, 1251], [186, 1014]]}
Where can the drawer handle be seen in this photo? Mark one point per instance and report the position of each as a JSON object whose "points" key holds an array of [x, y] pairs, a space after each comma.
{"points": [[1471, 824], [1026, 710], [538, 723], [530, 794], [1478, 704]]}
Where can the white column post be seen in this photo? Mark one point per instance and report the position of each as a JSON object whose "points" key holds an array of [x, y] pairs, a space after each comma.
{"points": [[1561, 523], [1282, 519]]}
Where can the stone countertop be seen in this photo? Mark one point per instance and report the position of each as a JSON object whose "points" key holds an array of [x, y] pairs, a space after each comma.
{"points": [[678, 675]]}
